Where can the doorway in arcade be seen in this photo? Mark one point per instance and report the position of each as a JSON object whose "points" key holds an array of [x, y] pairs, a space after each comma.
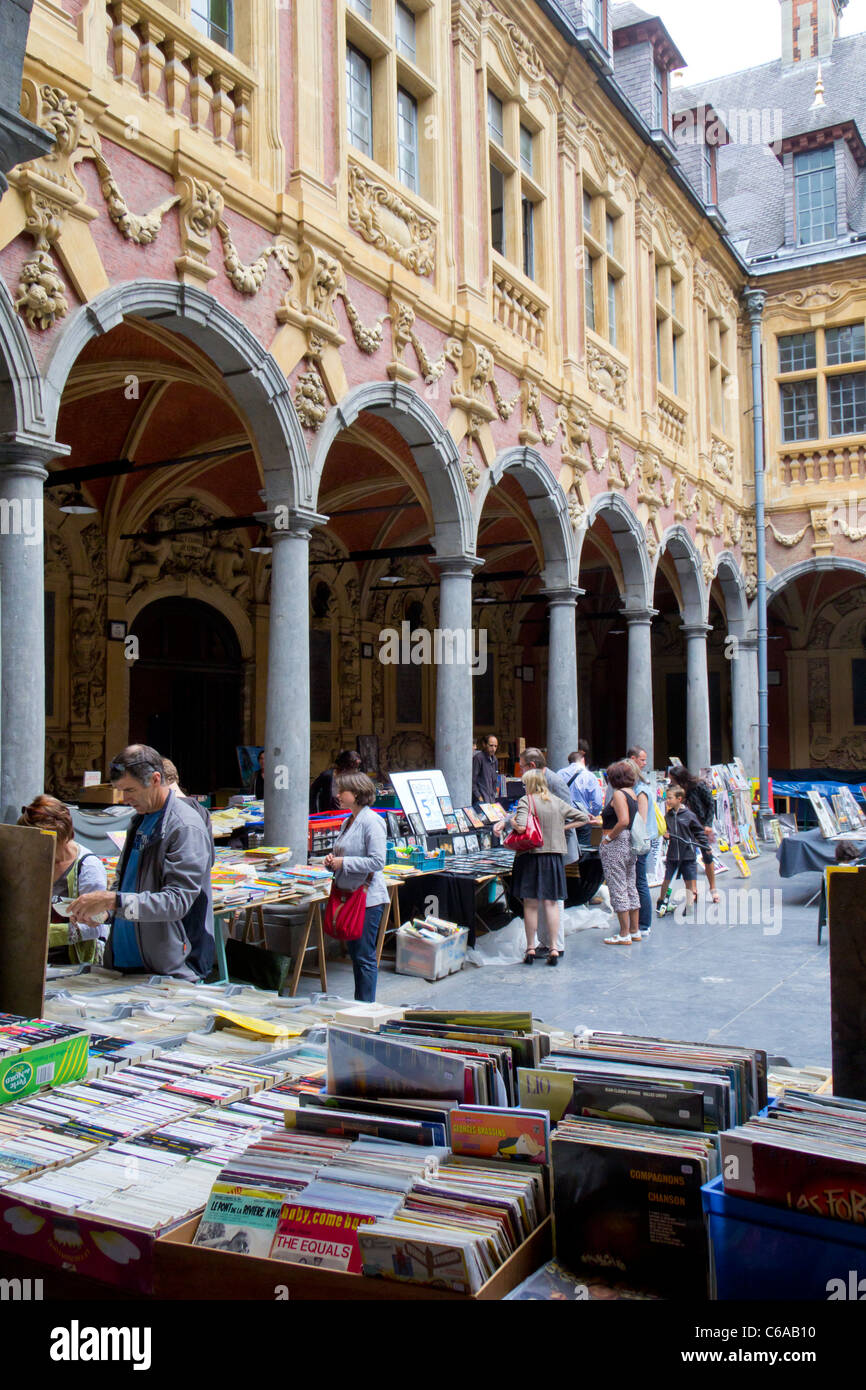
{"points": [[185, 695]]}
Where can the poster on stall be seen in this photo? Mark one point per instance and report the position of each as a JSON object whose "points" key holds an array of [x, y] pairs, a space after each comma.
{"points": [[419, 793]]}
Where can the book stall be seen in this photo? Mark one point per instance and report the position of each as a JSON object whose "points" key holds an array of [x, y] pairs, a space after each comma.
{"points": [[222, 1142]]}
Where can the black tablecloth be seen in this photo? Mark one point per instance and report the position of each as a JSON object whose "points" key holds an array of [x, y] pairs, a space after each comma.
{"points": [[454, 894], [805, 853]]}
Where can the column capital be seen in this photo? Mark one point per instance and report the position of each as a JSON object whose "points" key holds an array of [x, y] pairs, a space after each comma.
{"points": [[696, 630], [284, 520], [564, 597], [462, 565], [26, 454], [639, 616]]}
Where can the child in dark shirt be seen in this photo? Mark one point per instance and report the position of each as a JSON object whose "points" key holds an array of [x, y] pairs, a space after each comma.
{"points": [[684, 834]]}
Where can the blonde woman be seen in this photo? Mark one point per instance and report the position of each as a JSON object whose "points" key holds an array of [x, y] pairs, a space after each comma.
{"points": [[538, 875]]}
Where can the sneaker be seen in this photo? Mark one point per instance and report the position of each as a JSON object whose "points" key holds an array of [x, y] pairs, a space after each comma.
{"points": [[645, 931]]}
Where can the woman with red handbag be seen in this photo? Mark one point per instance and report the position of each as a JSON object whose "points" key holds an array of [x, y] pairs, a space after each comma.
{"points": [[358, 893], [538, 875]]}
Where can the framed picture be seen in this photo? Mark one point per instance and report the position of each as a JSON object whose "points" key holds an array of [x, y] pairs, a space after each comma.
{"points": [[826, 823], [462, 821], [248, 762], [472, 844], [446, 805], [367, 650], [427, 802], [528, 674], [459, 844], [417, 823], [473, 817]]}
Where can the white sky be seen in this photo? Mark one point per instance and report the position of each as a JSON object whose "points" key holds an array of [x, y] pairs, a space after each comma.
{"points": [[717, 39]]}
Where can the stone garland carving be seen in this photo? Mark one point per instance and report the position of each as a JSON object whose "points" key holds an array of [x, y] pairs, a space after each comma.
{"points": [[248, 279], [651, 492], [607, 377], [140, 228], [367, 340], [574, 424], [788, 540], [387, 221], [530, 404], [403, 335], [732, 525], [525, 53], [311, 399]]}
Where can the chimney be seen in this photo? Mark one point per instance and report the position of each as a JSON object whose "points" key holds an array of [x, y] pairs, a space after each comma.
{"points": [[809, 28]]}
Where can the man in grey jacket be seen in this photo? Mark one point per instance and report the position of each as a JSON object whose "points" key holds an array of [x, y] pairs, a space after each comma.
{"points": [[162, 912]]}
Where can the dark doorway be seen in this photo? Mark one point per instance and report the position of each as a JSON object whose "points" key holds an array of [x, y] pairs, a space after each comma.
{"points": [[185, 691]]}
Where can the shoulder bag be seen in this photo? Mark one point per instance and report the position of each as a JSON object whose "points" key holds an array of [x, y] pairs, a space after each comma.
{"points": [[531, 836]]}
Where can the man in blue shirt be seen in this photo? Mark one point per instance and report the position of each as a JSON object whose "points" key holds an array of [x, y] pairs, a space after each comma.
{"points": [[162, 910], [583, 787]]}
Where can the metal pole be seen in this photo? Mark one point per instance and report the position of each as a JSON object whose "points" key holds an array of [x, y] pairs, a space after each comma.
{"points": [[755, 301]]}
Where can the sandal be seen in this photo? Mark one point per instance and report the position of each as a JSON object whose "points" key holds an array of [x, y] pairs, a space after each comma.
{"points": [[716, 898], [553, 958], [617, 941], [529, 958], [635, 938]]}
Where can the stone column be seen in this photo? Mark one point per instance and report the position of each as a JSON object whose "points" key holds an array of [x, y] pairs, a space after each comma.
{"points": [[561, 676], [697, 697], [744, 702], [287, 725], [22, 621], [639, 730], [454, 695]]}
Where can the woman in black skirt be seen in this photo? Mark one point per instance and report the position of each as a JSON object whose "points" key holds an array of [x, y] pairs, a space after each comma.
{"points": [[538, 876]]}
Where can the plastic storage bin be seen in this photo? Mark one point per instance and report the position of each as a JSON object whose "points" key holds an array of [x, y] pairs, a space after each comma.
{"points": [[432, 960], [764, 1252]]}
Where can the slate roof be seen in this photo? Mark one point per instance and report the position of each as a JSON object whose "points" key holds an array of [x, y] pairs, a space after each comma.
{"points": [[625, 15], [751, 177]]}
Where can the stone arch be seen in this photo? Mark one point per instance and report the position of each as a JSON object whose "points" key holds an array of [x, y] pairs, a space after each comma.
{"points": [[21, 395], [694, 594], [252, 375], [730, 578], [817, 565], [431, 446], [630, 540], [549, 507], [212, 595]]}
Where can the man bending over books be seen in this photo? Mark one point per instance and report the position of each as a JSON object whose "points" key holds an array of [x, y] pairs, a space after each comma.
{"points": [[162, 913]]}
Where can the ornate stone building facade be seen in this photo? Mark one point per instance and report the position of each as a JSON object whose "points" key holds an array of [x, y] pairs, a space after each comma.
{"points": [[339, 314]]}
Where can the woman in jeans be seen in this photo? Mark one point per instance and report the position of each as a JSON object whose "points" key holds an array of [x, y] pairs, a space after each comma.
{"points": [[538, 875], [642, 790], [358, 857], [617, 855]]}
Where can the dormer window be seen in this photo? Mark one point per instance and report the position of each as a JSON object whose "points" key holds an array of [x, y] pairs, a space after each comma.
{"points": [[595, 19], [659, 78], [815, 195]]}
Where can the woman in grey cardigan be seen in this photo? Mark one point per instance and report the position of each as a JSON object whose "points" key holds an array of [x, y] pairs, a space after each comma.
{"points": [[358, 857]]}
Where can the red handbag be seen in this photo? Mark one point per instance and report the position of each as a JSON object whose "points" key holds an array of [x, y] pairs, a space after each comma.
{"points": [[528, 838], [344, 912]]}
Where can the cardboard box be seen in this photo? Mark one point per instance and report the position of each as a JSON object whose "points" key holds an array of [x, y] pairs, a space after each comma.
{"points": [[114, 1254], [104, 794], [46, 1064], [431, 960], [185, 1271]]}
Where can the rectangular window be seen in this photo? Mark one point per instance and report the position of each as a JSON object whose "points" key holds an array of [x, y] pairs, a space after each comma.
{"points": [[407, 139], [797, 352], [214, 19], [526, 150], [363, 7], [589, 292], [815, 195], [659, 347], [528, 210], [610, 234], [846, 398], [846, 344], [497, 209], [707, 173], [495, 120], [658, 98], [409, 694], [611, 309], [594, 10], [359, 100], [404, 28], [799, 411], [675, 362], [587, 213], [320, 675]]}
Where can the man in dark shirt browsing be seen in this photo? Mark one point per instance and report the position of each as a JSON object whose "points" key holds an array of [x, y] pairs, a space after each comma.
{"points": [[485, 772]]}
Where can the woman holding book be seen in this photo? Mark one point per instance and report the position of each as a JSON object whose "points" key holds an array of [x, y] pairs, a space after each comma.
{"points": [[357, 859], [538, 875]]}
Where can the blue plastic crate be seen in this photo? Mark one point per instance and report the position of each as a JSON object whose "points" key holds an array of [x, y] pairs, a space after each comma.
{"points": [[764, 1252]]}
